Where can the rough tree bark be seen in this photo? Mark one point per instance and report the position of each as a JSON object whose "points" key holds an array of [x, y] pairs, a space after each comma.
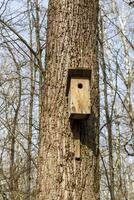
{"points": [[71, 43]]}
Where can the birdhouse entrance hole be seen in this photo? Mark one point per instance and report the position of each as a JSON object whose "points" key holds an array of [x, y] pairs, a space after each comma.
{"points": [[80, 86]]}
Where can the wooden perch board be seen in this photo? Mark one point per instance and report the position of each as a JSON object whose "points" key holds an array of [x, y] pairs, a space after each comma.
{"points": [[77, 140]]}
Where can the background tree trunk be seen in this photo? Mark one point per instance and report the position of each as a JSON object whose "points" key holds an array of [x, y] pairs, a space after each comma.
{"points": [[71, 43], [107, 114]]}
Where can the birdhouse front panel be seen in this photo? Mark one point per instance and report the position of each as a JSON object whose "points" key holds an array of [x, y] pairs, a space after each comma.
{"points": [[79, 98]]}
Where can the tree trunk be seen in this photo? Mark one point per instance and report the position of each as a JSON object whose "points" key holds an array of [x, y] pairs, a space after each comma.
{"points": [[30, 117], [71, 43], [107, 115], [13, 180]]}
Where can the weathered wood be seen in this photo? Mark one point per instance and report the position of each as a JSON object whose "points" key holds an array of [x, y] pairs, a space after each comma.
{"points": [[77, 140], [79, 98], [75, 73]]}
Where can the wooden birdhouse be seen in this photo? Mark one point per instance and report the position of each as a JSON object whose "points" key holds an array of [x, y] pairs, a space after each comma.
{"points": [[78, 92]]}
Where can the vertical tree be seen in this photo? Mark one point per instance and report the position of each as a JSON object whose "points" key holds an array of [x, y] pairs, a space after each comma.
{"points": [[71, 43], [31, 103], [107, 114]]}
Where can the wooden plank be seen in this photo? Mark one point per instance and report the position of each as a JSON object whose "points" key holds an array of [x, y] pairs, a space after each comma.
{"points": [[77, 140], [79, 98], [77, 146], [77, 73]]}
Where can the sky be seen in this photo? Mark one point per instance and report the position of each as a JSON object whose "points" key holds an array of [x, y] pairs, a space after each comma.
{"points": [[46, 3]]}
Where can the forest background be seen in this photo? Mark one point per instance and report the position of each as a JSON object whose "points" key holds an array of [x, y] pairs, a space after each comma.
{"points": [[23, 26]]}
